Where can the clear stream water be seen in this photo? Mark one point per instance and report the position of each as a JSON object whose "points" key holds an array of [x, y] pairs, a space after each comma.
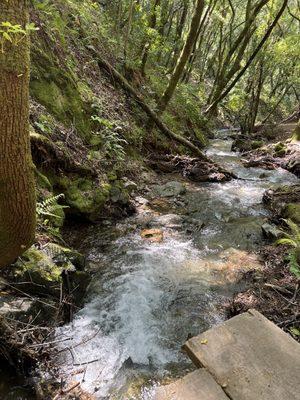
{"points": [[147, 298]]}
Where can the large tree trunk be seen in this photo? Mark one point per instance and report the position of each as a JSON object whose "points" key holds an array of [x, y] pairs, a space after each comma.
{"points": [[186, 52], [17, 187]]}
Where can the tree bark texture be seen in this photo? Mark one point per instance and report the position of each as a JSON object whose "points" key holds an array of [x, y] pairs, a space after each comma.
{"points": [[17, 186]]}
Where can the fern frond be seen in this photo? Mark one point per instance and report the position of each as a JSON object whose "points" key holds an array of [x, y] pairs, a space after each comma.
{"points": [[288, 241], [49, 207]]}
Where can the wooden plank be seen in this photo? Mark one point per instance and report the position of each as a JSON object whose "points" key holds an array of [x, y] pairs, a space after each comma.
{"points": [[198, 385], [250, 357]]}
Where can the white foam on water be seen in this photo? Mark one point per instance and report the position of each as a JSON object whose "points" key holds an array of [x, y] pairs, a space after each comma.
{"points": [[126, 318]]}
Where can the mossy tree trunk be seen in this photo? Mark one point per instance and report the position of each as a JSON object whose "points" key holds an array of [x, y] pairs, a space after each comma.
{"points": [[17, 187]]}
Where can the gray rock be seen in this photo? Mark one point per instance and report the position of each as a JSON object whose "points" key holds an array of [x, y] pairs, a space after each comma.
{"points": [[10, 306], [130, 186], [170, 189], [271, 231]]}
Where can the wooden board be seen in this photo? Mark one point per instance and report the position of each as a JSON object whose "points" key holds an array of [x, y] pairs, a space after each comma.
{"points": [[250, 357], [198, 385]]}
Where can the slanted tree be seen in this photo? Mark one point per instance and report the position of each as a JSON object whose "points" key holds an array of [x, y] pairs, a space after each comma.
{"points": [[185, 54], [17, 186]]}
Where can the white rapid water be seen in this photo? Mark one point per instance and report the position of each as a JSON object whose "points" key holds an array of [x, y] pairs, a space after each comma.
{"points": [[142, 308], [147, 298]]}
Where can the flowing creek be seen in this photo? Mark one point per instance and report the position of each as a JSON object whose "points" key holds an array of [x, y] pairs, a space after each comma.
{"points": [[147, 298]]}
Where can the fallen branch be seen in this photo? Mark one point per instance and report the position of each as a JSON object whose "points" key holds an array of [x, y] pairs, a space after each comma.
{"points": [[103, 64]]}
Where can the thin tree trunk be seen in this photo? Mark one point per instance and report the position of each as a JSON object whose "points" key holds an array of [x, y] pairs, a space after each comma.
{"points": [[17, 187], [146, 47], [186, 52], [128, 30], [212, 107]]}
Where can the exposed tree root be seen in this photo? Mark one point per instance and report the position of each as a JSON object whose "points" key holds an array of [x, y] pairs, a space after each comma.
{"points": [[47, 154]]}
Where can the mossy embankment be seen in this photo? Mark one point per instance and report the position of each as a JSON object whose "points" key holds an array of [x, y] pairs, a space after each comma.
{"points": [[84, 128]]}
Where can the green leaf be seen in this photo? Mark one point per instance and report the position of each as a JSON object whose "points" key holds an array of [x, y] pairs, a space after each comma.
{"points": [[295, 331], [7, 37]]}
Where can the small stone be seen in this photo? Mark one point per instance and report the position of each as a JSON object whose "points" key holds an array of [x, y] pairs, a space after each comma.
{"points": [[153, 235], [130, 185], [271, 231]]}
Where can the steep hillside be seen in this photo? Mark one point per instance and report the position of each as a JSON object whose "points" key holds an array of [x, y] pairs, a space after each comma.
{"points": [[86, 133]]}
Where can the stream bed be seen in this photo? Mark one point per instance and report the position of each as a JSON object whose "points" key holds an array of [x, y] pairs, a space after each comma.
{"points": [[146, 298]]}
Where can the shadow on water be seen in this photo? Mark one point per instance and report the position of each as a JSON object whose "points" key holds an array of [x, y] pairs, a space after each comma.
{"points": [[14, 387]]}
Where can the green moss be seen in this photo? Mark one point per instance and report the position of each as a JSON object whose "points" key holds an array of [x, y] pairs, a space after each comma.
{"points": [[83, 196], [42, 181], [256, 144], [37, 263], [292, 211], [280, 149], [54, 87], [41, 271]]}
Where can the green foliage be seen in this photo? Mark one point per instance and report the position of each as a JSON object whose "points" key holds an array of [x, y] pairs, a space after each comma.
{"points": [[50, 207], [292, 239], [113, 143], [14, 33]]}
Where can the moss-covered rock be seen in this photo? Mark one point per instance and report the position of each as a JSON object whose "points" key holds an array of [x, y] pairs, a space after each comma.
{"points": [[43, 271], [280, 149], [292, 211], [38, 268], [256, 144], [84, 197], [242, 144]]}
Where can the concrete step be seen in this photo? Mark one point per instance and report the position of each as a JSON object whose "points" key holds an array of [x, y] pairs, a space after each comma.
{"points": [[198, 385], [250, 358]]}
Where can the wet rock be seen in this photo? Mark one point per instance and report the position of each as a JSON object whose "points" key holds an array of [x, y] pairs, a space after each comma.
{"points": [[168, 221], [170, 189], [193, 224], [130, 186], [271, 231], [241, 144], [194, 169], [153, 235], [266, 162]]}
